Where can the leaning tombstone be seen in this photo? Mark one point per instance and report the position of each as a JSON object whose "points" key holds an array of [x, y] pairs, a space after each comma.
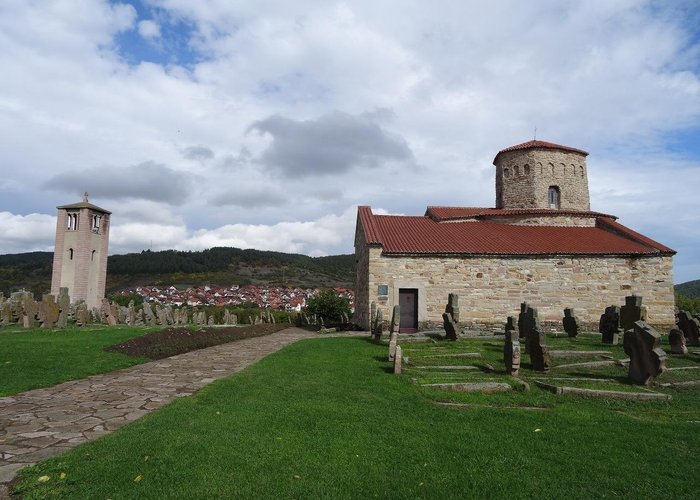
{"points": [[397, 360], [30, 312], [632, 312], [393, 342], [677, 341], [511, 348], [82, 315], [570, 322], [450, 326], [690, 327], [395, 319], [647, 360]]}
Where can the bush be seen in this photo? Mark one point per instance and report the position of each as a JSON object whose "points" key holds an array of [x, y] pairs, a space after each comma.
{"points": [[690, 304], [328, 305], [124, 299]]}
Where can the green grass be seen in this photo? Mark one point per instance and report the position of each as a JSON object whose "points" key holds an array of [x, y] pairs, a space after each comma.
{"points": [[35, 358], [324, 418]]}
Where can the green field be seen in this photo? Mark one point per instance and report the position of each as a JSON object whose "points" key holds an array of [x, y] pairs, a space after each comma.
{"points": [[325, 418], [35, 358]]}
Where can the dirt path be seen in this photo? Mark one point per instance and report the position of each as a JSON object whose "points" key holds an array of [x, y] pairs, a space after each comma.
{"points": [[42, 423]]}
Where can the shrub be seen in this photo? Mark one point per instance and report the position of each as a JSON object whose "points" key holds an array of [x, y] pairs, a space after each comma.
{"points": [[328, 305]]}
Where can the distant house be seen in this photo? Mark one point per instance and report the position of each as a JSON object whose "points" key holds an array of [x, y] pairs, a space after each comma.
{"points": [[541, 244]]}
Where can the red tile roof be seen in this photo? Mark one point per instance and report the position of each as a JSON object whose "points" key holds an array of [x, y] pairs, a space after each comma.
{"points": [[423, 236], [456, 213], [540, 145]]}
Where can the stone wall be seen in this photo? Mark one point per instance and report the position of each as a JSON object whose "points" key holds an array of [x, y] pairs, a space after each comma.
{"points": [[492, 288], [540, 220], [523, 178]]}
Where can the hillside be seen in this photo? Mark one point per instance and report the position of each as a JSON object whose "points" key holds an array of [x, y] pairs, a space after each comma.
{"points": [[216, 266], [689, 288]]}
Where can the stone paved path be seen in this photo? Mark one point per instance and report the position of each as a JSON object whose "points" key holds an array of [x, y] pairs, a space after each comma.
{"points": [[38, 424]]}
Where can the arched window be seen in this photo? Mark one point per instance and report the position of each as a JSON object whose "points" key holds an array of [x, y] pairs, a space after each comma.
{"points": [[580, 168], [96, 223], [72, 221], [517, 171], [506, 173], [553, 197], [70, 253], [526, 169], [92, 256]]}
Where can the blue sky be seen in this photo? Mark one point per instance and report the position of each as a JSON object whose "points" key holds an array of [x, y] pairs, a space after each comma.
{"points": [[264, 123]]}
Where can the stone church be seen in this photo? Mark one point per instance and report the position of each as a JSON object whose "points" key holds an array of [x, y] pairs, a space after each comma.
{"points": [[541, 244]]}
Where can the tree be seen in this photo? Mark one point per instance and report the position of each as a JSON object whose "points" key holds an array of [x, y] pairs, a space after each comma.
{"points": [[328, 305]]}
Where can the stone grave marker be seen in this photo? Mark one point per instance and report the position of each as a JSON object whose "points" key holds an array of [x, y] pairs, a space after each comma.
{"points": [[570, 322], [378, 326], [609, 325], [677, 341], [452, 307], [30, 312], [690, 327], [521, 317], [631, 312], [395, 319], [48, 311], [647, 360], [511, 350], [535, 340], [398, 355], [393, 342], [63, 307], [82, 315]]}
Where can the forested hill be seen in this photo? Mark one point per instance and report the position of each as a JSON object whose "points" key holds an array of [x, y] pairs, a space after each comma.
{"points": [[689, 288], [216, 266]]}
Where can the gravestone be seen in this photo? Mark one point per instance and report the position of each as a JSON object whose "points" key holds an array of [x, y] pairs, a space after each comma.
{"points": [[690, 327], [535, 341], [211, 321], [452, 307], [30, 316], [677, 341], [149, 317], [395, 319], [393, 342], [82, 315], [511, 351], [63, 307], [647, 360], [48, 311], [372, 313], [108, 312], [397, 360], [609, 325], [521, 318], [378, 326], [510, 325], [570, 322], [131, 314], [631, 312], [450, 326]]}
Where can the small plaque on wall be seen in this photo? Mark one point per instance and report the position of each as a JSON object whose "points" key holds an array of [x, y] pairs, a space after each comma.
{"points": [[383, 290]]}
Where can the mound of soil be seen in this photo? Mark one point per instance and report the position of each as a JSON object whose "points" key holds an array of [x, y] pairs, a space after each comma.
{"points": [[178, 340]]}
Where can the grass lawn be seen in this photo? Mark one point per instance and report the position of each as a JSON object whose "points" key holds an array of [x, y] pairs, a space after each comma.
{"points": [[30, 359], [324, 418]]}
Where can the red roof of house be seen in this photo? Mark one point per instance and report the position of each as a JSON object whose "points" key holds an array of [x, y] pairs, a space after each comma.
{"points": [[539, 145], [456, 213], [423, 236]]}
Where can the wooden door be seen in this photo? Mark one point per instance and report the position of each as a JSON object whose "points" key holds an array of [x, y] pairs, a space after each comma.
{"points": [[408, 301]]}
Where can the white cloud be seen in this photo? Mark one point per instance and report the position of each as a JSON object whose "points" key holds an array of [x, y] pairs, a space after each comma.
{"points": [[26, 233], [149, 29]]}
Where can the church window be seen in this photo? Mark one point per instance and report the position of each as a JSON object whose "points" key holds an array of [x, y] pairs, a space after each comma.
{"points": [[96, 223], [526, 169], [580, 169], [92, 256], [70, 253], [551, 167], [553, 197], [72, 221], [506, 173], [517, 171]]}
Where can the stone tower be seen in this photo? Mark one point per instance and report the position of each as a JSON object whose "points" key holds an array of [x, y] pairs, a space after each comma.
{"points": [[80, 254], [538, 174]]}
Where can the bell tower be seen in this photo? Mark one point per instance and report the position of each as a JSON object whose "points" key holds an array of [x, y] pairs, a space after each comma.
{"points": [[542, 175], [80, 253]]}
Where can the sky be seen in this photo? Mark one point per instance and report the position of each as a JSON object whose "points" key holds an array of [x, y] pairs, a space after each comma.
{"points": [[264, 124]]}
